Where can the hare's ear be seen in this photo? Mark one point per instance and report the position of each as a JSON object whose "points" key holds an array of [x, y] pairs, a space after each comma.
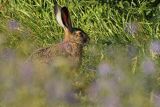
{"points": [[66, 18], [57, 12]]}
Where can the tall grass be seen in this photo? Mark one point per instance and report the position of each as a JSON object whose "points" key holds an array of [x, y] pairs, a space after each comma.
{"points": [[120, 65]]}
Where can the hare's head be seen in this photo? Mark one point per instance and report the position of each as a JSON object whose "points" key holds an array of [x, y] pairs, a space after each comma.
{"points": [[71, 34]]}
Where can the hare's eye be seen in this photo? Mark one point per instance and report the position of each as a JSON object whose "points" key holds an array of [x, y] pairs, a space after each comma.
{"points": [[79, 33]]}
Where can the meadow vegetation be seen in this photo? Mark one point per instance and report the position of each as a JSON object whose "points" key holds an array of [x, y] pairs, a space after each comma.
{"points": [[121, 64]]}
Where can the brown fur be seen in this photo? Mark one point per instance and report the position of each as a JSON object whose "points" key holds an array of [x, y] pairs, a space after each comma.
{"points": [[68, 49], [71, 48]]}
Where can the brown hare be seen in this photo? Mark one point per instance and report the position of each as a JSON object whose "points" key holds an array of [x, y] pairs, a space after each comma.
{"points": [[72, 46]]}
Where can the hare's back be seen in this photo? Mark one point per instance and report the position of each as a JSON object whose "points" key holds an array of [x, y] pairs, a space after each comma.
{"points": [[44, 55]]}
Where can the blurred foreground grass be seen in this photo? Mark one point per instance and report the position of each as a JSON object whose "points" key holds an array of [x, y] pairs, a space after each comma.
{"points": [[120, 65]]}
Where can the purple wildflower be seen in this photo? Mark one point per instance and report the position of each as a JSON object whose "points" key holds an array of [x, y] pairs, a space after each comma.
{"points": [[155, 47], [26, 72], [111, 101], [104, 69], [148, 66], [156, 99], [56, 89], [13, 25], [7, 54]]}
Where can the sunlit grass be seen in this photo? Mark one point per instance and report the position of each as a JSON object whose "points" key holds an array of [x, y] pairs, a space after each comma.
{"points": [[120, 65]]}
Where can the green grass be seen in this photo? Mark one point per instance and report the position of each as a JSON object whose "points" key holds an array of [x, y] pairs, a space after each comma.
{"points": [[119, 65]]}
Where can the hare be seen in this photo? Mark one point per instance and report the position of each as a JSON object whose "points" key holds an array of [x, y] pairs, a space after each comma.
{"points": [[72, 45]]}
